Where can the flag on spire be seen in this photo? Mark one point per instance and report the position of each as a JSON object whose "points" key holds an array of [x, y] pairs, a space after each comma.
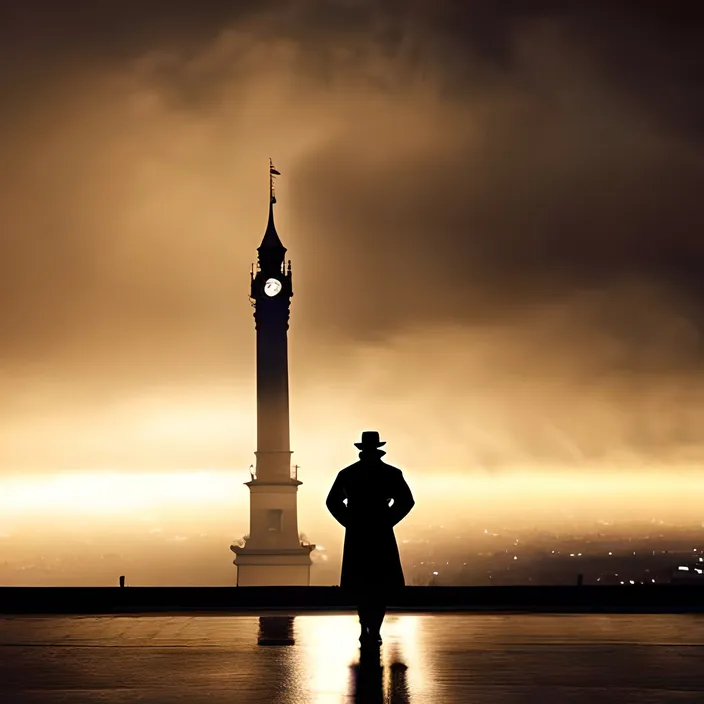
{"points": [[272, 172]]}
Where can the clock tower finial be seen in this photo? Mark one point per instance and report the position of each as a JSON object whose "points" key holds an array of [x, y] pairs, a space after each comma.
{"points": [[272, 173], [271, 250]]}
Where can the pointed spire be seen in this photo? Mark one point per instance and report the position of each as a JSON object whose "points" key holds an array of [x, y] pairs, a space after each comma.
{"points": [[271, 247]]}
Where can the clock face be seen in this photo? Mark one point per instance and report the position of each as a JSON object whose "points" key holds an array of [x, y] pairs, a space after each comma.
{"points": [[272, 287]]}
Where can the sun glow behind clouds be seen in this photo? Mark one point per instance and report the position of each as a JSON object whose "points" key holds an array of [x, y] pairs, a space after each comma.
{"points": [[201, 495], [110, 492]]}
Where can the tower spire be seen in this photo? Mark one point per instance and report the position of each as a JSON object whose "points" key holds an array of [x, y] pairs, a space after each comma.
{"points": [[271, 249]]}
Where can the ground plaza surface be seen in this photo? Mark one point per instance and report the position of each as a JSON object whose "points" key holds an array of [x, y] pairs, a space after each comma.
{"points": [[425, 658]]}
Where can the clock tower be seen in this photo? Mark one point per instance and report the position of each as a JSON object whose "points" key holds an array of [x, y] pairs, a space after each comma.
{"points": [[273, 553]]}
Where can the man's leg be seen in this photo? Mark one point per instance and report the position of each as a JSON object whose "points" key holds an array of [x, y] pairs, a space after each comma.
{"points": [[371, 609], [365, 612], [376, 618], [379, 601]]}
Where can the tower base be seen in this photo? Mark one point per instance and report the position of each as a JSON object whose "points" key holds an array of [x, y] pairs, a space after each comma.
{"points": [[273, 568]]}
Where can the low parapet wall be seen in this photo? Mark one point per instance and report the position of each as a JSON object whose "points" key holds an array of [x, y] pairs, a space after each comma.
{"points": [[145, 600]]}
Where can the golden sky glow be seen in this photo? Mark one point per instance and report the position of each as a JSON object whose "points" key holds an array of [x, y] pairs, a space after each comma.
{"points": [[494, 247]]}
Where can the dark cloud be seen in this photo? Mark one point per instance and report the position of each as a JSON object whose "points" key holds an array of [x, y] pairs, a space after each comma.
{"points": [[529, 176], [529, 182]]}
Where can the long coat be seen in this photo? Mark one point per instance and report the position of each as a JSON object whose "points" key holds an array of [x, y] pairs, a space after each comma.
{"points": [[370, 561]]}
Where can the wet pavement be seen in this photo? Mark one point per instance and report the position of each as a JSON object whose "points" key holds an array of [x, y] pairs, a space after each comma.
{"points": [[425, 658]]}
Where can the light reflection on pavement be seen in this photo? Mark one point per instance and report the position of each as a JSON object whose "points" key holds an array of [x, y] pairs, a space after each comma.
{"points": [[425, 658]]}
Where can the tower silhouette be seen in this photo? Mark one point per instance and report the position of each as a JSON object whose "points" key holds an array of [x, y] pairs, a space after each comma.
{"points": [[273, 553]]}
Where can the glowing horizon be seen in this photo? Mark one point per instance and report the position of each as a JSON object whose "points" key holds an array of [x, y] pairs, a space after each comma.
{"points": [[115, 493]]}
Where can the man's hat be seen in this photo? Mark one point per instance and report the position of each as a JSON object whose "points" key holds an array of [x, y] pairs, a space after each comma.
{"points": [[370, 438]]}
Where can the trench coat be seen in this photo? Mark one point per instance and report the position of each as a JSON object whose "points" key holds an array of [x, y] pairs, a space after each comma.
{"points": [[370, 560]]}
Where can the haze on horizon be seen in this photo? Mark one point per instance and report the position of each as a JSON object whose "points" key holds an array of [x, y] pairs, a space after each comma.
{"points": [[494, 219]]}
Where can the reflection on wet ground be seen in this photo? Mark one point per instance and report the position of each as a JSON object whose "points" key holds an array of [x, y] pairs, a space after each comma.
{"points": [[316, 658]]}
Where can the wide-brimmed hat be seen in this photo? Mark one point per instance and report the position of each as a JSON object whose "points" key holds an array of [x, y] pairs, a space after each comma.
{"points": [[370, 438]]}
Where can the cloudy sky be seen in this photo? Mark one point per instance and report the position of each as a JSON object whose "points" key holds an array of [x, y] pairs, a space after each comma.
{"points": [[493, 211]]}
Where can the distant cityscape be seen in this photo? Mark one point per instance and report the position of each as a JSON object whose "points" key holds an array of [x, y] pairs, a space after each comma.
{"points": [[605, 553], [621, 553]]}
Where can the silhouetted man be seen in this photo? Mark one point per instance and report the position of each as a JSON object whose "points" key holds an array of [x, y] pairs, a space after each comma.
{"points": [[369, 498]]}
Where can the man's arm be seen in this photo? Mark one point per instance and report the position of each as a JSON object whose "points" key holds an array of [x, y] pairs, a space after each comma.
{"points": [[403, 500], [335, 502]]}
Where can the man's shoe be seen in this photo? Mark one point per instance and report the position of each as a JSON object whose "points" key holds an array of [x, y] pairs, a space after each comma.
{"points": [[369, 638]]}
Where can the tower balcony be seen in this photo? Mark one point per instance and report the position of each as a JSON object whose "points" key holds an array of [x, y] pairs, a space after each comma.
{"points": [[292, 477], [241, 548]]}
